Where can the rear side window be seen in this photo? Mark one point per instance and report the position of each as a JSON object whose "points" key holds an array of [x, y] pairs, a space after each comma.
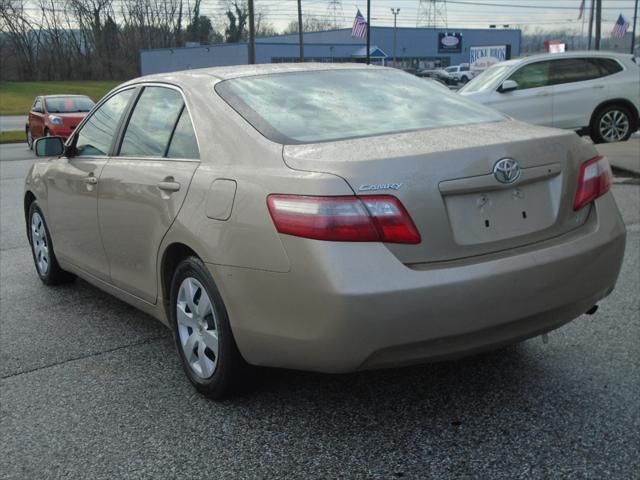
{"points": [[183, 142], [96, 135], [152, 123], [533, 75], [574, 70], [327, 105]]}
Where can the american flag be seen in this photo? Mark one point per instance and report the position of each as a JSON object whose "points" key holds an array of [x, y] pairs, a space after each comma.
{"points": [[359, 26], [620, 28]]}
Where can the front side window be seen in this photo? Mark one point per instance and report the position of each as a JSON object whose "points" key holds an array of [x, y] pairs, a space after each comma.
{"points": [[96, 135], [317, 106], [152, 122], [533, 75], [37, 107]]}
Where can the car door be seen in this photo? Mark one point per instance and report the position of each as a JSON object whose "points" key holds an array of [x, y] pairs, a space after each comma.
{"points": [[578, 89], [532, 101], [144, 186], [36, 118], [73, 183]]}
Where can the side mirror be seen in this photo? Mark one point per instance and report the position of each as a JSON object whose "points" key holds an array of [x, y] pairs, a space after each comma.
{"points": [[49, 147], [508, 86]]}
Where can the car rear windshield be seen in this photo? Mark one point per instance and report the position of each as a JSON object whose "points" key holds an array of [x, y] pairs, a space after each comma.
{"points": [[319, 106], [69, 104]]}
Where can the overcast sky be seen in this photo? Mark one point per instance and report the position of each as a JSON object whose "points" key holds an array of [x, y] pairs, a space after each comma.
{"points": [[525, 14], [547, 14]]}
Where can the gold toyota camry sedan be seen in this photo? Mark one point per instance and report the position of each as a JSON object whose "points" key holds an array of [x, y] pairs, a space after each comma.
{"points": [[326, 218]]}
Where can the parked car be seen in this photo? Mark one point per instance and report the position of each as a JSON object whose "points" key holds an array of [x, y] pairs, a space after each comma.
{"points": [[269, 224], [596, 93], [56, 115], [460, 73], [439, 74]]}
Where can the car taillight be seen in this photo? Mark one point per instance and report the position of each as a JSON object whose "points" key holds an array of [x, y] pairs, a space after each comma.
{"points": [[371, 218], [593, 182]]}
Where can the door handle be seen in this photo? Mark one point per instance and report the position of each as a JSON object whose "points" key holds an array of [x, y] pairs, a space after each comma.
{"points": [[90, 180], [169, 186], [598, 86], [543, 94]]}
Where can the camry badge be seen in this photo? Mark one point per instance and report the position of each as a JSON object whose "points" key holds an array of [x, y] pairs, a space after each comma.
{"points": [[380, 186], [506, 170]]}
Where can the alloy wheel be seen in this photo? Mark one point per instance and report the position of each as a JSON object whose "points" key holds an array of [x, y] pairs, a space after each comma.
{"points": [[197, 328], [614, 126], [39, 243]]}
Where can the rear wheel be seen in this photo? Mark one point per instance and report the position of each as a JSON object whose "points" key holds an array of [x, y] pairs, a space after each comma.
{"points": [[207, 349], [612, 124], [44, 257]]}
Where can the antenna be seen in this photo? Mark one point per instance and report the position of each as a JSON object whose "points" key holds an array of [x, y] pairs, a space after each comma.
{"points": [[334, 11], [432, 14]]}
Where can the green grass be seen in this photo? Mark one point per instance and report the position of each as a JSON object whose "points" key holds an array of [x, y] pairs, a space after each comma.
{"points": [[16, 98], [17, 136]]}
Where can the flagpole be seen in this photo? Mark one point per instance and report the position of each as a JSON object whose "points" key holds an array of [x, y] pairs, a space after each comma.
{"points": [[368, 32], [633, 31]]}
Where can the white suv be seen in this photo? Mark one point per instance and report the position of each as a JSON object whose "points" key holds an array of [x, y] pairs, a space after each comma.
{"points": [[593, 92], [461, 73]]}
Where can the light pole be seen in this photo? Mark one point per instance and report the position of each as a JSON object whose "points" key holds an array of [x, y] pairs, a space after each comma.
{"points": [[300, 31], [395, 12]]}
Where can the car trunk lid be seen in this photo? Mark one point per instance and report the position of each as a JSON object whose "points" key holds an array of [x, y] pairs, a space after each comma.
{"points": [[445, 179]]}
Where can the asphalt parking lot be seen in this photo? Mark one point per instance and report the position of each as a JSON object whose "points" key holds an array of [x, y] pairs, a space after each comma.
{"points": [[92, 389]]}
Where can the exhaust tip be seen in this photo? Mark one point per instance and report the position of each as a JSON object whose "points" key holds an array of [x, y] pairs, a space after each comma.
{"points": [[592, 310]]}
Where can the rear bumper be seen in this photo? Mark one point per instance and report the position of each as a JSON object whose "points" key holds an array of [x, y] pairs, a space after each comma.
{"points": [[345, 307]]}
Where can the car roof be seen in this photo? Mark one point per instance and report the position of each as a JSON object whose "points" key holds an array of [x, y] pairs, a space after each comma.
{"points": [[573, 54], [236, 71], [63, 96]]}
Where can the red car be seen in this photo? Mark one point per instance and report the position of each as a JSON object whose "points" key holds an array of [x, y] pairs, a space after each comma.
{"points": [[57, 115]]}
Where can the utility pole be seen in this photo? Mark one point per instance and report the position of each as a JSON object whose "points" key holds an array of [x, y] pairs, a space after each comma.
{"points": [[598, 22], [368, 32], [593, 4], [252, 35], [633, 30], [300, 32], [395, 12]]}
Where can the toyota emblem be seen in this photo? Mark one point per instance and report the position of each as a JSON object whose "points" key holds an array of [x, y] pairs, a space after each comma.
{"points": [[506, 170]]}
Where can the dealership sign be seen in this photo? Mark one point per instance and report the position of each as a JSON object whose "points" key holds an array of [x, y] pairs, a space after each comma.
{"points": [[481, 58], [449, 42]]}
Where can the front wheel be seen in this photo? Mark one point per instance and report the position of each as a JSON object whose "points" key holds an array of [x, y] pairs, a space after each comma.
{"points": [[207, 349], [29, 139], [612, 124], [44, 257]]}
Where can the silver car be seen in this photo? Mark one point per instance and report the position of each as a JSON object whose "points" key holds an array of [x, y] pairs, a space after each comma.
{"points": [[327, 218]]}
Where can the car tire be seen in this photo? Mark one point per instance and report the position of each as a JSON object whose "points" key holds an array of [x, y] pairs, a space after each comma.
{"points": [[47, 133], [29, 138], [464, 79], [208, 352], [613, 123], [42, 250]]}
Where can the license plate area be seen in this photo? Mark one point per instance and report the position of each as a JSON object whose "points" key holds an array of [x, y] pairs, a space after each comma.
{"points": [[495, 215]]}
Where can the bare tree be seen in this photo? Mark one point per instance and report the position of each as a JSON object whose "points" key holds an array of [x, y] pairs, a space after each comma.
{"points": [[23, 35], [309, 24]]}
